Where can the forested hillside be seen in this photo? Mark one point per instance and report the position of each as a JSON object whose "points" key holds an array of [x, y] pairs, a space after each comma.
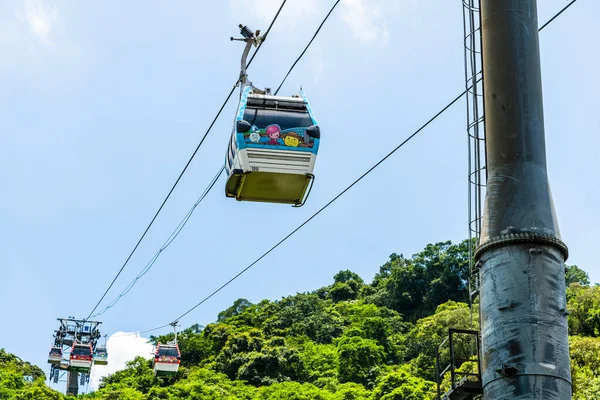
{"points": [[19, 380], [350, 340]]}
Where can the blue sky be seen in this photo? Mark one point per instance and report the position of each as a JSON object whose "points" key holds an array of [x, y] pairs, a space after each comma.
{"points": [[102, 103]]}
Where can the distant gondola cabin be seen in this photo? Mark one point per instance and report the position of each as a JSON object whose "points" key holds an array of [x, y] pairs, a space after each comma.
{"points": [[55, 355], [166, 360], [100, 356], [80, 359]]}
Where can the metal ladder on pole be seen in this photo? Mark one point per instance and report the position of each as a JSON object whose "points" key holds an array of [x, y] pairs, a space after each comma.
{"points": [[475, 131], [466, 385]]}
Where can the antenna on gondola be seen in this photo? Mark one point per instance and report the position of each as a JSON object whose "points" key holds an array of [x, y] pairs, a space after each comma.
{"points": [[174, 325], [251, 39]]}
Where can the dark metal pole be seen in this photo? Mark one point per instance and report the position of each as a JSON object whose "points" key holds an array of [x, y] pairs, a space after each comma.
{"points": [[525, 350], [72, 383]]}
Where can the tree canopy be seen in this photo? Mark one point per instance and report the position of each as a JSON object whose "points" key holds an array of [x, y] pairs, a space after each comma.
{"points": [[349, 340]]}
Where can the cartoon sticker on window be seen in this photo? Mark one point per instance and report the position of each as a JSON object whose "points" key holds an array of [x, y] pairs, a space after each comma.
{"points": [[254, 137], [292, 139], [273, 135]]}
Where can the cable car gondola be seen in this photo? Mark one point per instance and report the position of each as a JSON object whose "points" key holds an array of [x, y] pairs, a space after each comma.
{"points": [[55, 355], [80, 359], [166, 360], [100, 356], [273, 149], [64, 365], [273, 146]]}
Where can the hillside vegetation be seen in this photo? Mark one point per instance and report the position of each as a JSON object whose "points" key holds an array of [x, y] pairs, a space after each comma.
{"points": [[346, 341], [19, 380]]}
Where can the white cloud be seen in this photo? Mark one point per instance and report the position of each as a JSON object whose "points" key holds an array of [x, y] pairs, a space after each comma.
{"points": [[41, 19], [121, 347], [366, 20]]}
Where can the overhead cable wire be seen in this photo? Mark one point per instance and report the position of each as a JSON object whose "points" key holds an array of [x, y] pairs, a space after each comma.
{"points": [[153, 260], [324, 207], [445, 108], [307, 46], [163, 204], [182, 172], [557, 15], [166, 244], [264, 37], [186, 218], [137, 333]]}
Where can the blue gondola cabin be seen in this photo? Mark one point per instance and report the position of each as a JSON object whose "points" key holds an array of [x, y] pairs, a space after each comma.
{"points": [[100, 356], [273, 149]]}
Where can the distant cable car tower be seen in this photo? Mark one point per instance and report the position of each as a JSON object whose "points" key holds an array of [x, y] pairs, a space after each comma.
{"points": [[72, 334]]}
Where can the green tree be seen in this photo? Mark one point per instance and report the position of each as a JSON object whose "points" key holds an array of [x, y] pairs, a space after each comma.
{"points": [[137, 375], [585, 367], [319, 361], [417, 286], [37, 391], [574, 274], [345, 341], [423, 340], [402, 385], [121, 393], [237, 308], [351, 391], [360, 360], [20, 380], [251, 358], [347, 276], [217, 335], [583, 303], [304, 315], [346, 286], [341, 291], [206, 384], [271, 365], [293, 391], [236, 352]]}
